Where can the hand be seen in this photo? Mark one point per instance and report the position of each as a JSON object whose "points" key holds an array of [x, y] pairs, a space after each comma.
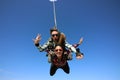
{"points": [[80, 56], [37, 39], [81, 40]]}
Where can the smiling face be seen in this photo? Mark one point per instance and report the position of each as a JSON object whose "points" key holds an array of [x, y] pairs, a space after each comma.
{"points": [[58, 51]]}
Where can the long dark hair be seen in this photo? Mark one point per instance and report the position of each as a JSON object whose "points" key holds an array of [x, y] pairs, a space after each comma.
{"points": [[63, 47]]}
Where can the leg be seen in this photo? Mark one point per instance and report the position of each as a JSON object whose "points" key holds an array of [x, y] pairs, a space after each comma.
{"points": [[49, 58], [50, 54], [53, 69], [66, 68]]}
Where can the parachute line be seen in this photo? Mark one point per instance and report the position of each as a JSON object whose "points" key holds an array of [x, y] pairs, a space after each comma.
{"points": [[54, 13]]}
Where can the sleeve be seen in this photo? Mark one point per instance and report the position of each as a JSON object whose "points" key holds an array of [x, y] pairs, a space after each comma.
{"points": [[44, 46], [69, 46]]}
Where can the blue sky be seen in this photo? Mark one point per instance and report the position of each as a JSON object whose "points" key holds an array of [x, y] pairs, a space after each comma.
{"points": [[97, 21]]}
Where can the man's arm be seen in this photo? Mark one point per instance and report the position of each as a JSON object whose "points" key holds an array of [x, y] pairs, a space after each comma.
{"points": [[40, 47], [69, 46]]}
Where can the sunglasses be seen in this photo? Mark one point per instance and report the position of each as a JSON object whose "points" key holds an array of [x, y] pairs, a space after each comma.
{"points": [[58, 50], [54, 35]]}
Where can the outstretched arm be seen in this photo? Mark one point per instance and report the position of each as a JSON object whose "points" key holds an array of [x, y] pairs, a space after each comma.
{"points": [[73, 49], [40, 47], [79, 43]]}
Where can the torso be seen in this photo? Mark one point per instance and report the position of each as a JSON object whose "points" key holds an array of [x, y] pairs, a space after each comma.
{"points": [[57, 62]]}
